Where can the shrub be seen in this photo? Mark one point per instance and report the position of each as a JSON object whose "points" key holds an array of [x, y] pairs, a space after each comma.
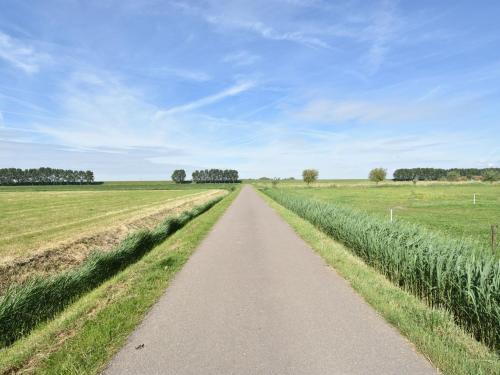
{"points": [[453, 176], [444, 272], [490, 175]]}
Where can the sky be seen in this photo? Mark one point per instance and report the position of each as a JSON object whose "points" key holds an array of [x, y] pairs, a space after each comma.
{"points": [[135, 89]]}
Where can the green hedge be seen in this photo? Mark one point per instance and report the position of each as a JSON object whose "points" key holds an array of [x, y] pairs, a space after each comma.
{"points": [[24, 306], [444, 272]]}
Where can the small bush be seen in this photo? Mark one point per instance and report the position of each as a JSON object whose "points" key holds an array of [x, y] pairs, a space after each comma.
{"points": [[490, 175], [453, 176]]}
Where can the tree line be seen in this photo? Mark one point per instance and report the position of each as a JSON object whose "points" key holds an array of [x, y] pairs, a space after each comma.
{"points": [[207, 176], [433, 174], [44, 176]]}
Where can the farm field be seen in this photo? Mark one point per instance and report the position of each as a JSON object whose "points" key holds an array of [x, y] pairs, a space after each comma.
{"points": [[30, 220], [446, 208], [118, 185]]}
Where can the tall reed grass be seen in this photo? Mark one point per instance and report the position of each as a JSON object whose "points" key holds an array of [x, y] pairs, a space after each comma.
{"points": [[24, 306], [445, 272]]}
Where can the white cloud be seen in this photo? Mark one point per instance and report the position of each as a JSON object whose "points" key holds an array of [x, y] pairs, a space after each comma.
{"points": [[241, 58], [1, 120], [267, 32], [21, 55], [223, 15], [367, 111], [97, 110], [381, 32], [231, 91], [190, 75]]}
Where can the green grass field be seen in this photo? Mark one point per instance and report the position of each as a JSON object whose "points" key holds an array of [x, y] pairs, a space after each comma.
{"points": [[446, 208], [29, 219], [119, 185]]}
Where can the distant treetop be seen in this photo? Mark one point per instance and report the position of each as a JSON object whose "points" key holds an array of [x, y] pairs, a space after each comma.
{"points": [[44, 176]]}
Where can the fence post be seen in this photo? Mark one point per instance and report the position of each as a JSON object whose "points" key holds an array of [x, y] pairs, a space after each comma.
{"points": [[494, 230], [391, 215]]}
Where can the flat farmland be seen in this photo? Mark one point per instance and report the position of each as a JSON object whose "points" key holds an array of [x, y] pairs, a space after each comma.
{"points": [[446, 208], [30, 220]]}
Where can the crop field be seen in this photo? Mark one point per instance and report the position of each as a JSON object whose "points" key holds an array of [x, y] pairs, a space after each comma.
{"points": [[29, 220], [119, 185], [446, 208]]}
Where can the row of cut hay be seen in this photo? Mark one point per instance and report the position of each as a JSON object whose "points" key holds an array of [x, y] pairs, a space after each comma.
{"points": [[445, 272], [24, 306]]}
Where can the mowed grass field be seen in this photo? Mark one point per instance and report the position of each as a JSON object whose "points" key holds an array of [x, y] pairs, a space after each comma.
{"points": [[119, 185], [447, 208], [30, 218]]}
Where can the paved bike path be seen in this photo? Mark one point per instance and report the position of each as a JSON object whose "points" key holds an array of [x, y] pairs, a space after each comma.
{"points": [[255, 299]]}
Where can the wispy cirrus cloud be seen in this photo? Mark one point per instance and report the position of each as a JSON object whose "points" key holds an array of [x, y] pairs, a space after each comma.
{"points": [[366, 111], [21, 55], [243, 20], [241, 58], [381, 31], [231, 91], [186, 74], [270, 33]]}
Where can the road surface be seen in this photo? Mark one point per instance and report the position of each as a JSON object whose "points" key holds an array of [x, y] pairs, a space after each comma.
{"points": [[255, 299]]}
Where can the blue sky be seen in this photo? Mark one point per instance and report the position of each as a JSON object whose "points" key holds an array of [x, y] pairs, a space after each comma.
{"points": [[135, 89]]}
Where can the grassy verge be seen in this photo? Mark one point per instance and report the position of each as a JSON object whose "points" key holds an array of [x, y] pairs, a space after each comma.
{"points": [[431, 330], [85, 336]]}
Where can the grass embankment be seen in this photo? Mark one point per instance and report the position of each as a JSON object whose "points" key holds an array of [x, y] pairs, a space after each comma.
{"points": [[444, 272], [30, 220], [431, 330], [86, 335], [24, 306], [445, 208]]}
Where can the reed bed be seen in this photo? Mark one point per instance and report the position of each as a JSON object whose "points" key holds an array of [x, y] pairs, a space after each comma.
{"points": [[445, 272], [25, 306]]}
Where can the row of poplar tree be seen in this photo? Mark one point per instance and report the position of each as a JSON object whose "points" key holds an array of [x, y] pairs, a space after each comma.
{"points": [[208, 176], [408, 174], [44, 176]]}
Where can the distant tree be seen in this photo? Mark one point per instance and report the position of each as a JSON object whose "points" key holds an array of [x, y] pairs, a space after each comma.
{"points": [[377, 175], [490, 175], [453, 175], [216, 176], [179, 176], [276, 181], [309, 175], [44, 176]]}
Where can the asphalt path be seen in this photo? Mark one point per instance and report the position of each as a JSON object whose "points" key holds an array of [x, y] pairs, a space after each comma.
{"points": [[255, 299]]}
